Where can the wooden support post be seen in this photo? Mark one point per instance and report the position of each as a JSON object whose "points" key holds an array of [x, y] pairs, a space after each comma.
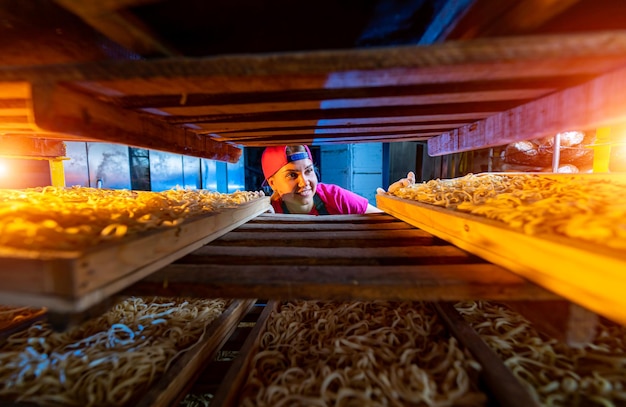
{"points": [[57, 172]]}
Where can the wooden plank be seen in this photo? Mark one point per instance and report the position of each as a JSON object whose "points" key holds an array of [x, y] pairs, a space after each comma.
{"points": [[500, 381], [31, 147], [237, 374], [228, 255], [527, 16], [170, 388], [479, 96], [446, 19], [442, 119], [563, 320], [301, 219], [342, 131], [252, 226], [584, 274], [449, 282], [333, 238], [129, 33], [347, 113], [82, 280], [8, 328], [60, 110], [168, 98], [543, 50], [598, 103]]}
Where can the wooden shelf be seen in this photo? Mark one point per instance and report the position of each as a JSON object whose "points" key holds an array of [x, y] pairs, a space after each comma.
{"points": [[584, 274], [74, 281]]}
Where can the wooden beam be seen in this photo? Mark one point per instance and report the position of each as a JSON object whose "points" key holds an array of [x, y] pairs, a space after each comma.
{"points": [[525, 16], [539, 55], [500, 380], [31, 147], [349, 113], [120, 27], [333, 256], [61, 110], [565, 321], [169, 100], [599, 102], [446, 19], [433, 282], [504, 17]]}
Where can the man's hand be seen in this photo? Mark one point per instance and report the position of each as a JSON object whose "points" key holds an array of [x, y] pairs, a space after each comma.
{"points": [[404, 182]]}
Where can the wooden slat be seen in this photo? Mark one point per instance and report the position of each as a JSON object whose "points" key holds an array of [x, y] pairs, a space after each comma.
{"points": [[347, 256], [500, 381], [600, 102], [168, 99], [583, 273], [131, 34], [296, 281], [549, 51], [506, 17], [562, 320], [170, 388], [303, 219], [254, 225], [237, 373], [7, 328], [352, 238]]}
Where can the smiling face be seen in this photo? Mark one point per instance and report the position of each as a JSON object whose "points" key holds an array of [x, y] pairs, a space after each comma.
{"points": [[296, 183]]}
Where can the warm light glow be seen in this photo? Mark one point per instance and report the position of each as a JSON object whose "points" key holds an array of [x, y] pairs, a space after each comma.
{"points": [[3, 168]]}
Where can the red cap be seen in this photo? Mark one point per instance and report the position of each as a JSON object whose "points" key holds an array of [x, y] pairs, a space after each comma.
{"points": [[274, 158]]}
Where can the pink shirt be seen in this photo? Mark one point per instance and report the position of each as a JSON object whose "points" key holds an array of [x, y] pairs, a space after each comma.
{"points": [[338, 201]]}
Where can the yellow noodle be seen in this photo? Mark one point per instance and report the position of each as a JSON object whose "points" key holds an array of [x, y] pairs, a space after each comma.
{"points": [[53, 218], [577, 207]]}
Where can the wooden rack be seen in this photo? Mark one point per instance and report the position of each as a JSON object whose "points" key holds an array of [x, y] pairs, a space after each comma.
{"points": [[335, 257], [498, 382], [355, 257]]}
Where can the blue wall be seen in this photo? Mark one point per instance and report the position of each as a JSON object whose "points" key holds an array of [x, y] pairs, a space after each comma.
{"points": [[357, 167], [109, 163]]}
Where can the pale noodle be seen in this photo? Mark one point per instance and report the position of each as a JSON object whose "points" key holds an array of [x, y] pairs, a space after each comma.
{"points": [[359, 354], [554, 373], [107, 361]]}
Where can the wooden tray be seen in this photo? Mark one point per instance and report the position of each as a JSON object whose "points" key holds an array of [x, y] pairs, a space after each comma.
{"points": [[73, 281], [588, 275], [171, 387], [508, 391]]}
